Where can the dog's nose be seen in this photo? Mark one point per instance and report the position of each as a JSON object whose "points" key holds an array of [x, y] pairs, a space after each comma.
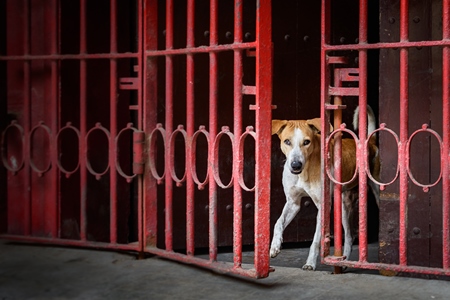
{"points": [[296, 166]]}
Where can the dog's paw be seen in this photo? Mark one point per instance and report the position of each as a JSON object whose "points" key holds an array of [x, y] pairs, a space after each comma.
{"points": [[275, 247], [274, 251], [308, 267]]}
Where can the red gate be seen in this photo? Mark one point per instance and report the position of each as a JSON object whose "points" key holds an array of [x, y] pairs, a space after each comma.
{"points": [[122, 131], [71, 107], [400, 175], [105, 140], [195, 176]]}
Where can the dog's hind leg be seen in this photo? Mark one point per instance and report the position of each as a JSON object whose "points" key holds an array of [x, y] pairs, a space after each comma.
{"points": [[375, 190], [290, 210], [347, 207], [315, 245]]}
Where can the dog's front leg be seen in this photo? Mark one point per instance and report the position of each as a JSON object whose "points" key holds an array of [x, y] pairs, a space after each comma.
{"points": [[290, 210], [315, 246]]}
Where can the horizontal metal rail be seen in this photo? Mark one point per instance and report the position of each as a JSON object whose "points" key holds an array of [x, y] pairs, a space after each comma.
{"points": [[390, 45], [29, 57], [217, 266], [337, 261], [202, 49], [150, 53], [135, 246]]}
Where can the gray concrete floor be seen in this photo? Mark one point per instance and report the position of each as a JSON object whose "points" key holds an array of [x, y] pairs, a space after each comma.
{"points": [[45, 272]]}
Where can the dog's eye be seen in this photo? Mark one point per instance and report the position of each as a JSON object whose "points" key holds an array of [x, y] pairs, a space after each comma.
{"points": [[287, 142], [306, 142]]}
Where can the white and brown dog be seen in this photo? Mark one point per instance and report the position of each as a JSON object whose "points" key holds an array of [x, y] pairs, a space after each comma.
{"points": [[300, 143]]}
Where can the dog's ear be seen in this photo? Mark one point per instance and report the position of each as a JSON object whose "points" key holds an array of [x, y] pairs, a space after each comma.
{"points": [[278, 126], [316, 125]]}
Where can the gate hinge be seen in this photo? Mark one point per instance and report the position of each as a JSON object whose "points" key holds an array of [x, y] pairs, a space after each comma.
{"points": [[138, 152]]}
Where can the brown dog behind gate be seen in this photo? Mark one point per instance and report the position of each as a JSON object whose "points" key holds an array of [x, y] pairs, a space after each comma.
{"points": [[300, 143]]}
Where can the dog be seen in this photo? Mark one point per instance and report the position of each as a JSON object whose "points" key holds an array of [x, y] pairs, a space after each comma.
{"points": [[300, 143]]}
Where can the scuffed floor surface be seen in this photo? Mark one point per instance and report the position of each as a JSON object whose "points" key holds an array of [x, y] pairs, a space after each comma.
{"points": [[44, 272]]}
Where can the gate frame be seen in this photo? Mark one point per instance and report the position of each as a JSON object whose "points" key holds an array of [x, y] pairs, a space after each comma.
{"points": [[146, 85], [262, 50], [403, 156], [52, 13]]}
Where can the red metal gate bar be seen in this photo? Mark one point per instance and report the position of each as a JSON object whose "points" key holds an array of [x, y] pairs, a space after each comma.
{"points": [[219, 48], [218, 266], [213, 98], [52, 207], [324, 211], [83, 122], [361, 155], [190, 127], [338, 175], [169, 122], [263, 112], [237, 191], [445, 157], [403, 163], [340, 75], [113, 124], [70, 56], [73, 243], [27, 119], [389, 45], [202, 49], [149, 113], [337, 102], [140, 124], [385, 266]]}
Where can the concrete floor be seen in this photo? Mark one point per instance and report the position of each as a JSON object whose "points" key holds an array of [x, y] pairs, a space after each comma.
{"points": [[44, 272]]}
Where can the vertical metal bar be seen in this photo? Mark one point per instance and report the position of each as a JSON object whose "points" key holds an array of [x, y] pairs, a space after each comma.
{"points": [[140, 59], [337, 174], [169, 122], [237, 196], [190, 128], [324, 115], [445, 156], [150, 92], [404, 19], [51, 205], [140, 122], [27, 117], [113, 124], [363, 21], [263, 111], [140, 125], [362, 157], [83, 124], [213, 96]]}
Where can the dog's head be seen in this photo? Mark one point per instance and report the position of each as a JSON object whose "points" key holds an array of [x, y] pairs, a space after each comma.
{"points": [[298, 140]]}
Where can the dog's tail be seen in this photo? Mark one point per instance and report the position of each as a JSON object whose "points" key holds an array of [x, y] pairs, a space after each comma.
{"points": [[371, 123]]}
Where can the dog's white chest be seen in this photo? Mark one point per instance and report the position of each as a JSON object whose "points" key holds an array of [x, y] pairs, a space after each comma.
{"points": [[296, 187], [293, 185]]}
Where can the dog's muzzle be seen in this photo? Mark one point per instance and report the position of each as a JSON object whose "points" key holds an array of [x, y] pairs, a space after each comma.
{"points": [[296, 167]]}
